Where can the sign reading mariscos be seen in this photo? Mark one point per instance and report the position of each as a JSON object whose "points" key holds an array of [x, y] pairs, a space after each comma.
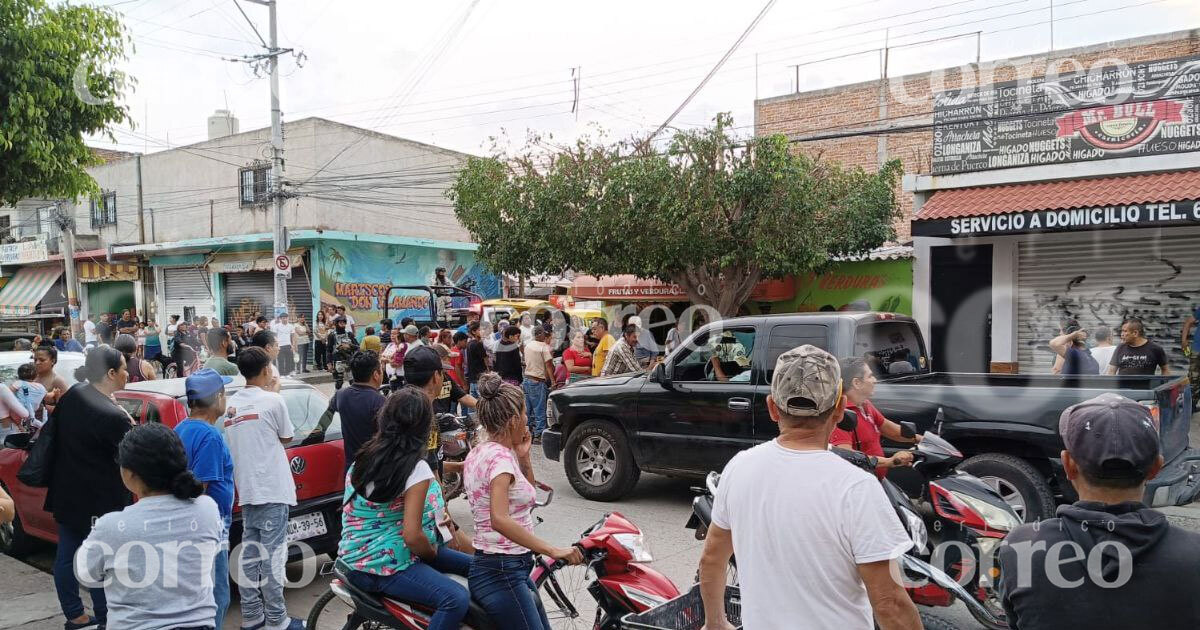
{"points": [[1107, 217], [1148, 108]]}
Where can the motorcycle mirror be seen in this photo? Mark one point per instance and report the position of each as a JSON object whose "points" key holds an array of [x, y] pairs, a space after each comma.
{"points": [[908, 429], [849, 421]]}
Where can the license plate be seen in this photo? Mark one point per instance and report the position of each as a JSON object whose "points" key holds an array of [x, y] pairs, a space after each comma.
{"points": [[306, 526]]}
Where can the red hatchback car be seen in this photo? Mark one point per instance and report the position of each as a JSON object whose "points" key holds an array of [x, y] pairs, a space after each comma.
{"points": [[318, 469]]}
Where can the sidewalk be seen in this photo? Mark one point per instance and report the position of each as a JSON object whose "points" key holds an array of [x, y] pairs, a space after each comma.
{"points": [[28, 596]]}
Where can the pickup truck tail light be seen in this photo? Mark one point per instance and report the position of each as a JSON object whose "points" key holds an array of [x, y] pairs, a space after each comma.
{"points": [[1155, 413]]}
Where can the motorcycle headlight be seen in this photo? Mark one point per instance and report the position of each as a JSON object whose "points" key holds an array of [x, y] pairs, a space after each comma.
{"points": [[916, 529], [635, 544], [997, 518]]}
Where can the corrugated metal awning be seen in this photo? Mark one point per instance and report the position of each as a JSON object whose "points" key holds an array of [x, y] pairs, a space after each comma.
{"points": [[21, 295]]}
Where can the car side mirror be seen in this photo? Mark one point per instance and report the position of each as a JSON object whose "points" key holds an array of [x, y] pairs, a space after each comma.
{"points": [[849, 421], [17, 440], [908, 430], [662, 376]]}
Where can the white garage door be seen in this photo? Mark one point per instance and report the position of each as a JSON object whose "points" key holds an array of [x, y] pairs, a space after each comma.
{"points": [[188, 293], [1101, 281]]}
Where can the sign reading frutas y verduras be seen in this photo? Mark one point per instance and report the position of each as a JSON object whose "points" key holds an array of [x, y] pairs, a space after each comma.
{"points": [[1106, 217], [24, 252], [1148, 108]]}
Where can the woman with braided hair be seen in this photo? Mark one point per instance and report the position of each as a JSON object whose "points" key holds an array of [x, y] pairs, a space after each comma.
{"points": [[391, 537], [498, 478], [155, 557]]}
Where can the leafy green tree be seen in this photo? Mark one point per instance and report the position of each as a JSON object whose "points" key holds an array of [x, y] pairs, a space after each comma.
{"points": [[58, 82], [711, 213]]}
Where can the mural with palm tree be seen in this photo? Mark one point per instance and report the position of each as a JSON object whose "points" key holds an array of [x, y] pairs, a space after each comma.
{"points": [[356, 274]]}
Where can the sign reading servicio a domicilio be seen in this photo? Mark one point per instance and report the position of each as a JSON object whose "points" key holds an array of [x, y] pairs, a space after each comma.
{"points": [[1099, 218]]}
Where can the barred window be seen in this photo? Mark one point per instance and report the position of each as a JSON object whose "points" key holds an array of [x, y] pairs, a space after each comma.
{"points": [[104, 209], [254, 185]]}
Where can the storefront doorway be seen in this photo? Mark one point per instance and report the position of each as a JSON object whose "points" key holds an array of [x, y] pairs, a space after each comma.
{"points": [[961, 293]]}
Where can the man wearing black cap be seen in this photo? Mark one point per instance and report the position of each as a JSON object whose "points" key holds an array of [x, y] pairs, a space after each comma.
{"points": [[342, 345], [1117, 563], [424, 370]]}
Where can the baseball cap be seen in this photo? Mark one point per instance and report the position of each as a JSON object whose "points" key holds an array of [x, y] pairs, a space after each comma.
{"points": [[1111, 436], [205, 383], [422, 359], [807, 381], [412, 330]]}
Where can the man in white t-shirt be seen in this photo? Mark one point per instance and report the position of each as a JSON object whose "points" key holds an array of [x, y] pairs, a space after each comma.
{"points": [[256, 429], [816, 548], [89, 333], [285, 336]]}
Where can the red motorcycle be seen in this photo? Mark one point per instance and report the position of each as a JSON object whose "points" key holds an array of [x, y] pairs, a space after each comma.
{"points": [[613, 574]]}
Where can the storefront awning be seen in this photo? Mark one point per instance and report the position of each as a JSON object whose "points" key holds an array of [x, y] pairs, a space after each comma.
{"points": [[626, 288], [630, 288], [252, 261], [1132, 201], [21, 295], [95, 271]]}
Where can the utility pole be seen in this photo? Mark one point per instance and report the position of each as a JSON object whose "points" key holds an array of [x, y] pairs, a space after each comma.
{"points": [[279, 246], [141, 209], [66, 235]]}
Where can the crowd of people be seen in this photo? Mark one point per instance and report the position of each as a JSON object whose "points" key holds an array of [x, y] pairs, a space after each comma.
{"points": [[398, 538]]}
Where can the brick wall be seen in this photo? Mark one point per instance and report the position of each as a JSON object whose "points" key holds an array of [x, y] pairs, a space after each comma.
{"points": [[856, 108]]}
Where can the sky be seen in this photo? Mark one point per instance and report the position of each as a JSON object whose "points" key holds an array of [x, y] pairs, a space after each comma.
{"points": [[457, 73]]}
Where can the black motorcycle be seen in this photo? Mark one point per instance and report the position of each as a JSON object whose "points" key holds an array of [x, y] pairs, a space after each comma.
{"points": [[967, 517]]}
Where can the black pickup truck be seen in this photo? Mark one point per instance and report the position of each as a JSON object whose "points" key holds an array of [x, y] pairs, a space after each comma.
{"points": [[685, 418]]}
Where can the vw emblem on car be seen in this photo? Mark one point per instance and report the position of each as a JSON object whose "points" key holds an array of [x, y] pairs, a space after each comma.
{"points": [[298, 465]]}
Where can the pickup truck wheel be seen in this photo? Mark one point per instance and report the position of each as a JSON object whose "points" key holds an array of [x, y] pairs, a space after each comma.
{"points": [[1019, 483], [599, 462]]}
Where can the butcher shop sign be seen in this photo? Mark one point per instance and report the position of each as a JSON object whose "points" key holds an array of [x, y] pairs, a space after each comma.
{"points": [[1100, 218], [1126, 110]]}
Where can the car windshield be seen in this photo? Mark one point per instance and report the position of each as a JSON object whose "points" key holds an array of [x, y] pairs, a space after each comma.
{"points": [[67, 362], [305, 407]]}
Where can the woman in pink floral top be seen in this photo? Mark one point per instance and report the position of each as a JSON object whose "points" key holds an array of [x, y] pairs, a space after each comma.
{"points": [[393, 508], [498, 478]]}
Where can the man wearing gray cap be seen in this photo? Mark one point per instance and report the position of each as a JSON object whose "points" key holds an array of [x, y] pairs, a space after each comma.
{"points": [[815, 537], [1118, 563]]}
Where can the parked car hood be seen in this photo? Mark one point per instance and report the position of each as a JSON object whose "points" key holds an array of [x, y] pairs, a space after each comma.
{"points": [[599, 381]]}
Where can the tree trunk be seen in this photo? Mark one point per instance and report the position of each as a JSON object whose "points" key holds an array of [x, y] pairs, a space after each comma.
{"points": [[725, 290]]}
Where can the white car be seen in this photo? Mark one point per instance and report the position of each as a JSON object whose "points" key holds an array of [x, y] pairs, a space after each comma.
{"points": [[11, 360]]}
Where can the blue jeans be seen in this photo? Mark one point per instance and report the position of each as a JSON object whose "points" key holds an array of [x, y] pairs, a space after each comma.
{"points": [[264, 554], [535, 405], [474, 387], [501, 585], [428, 585], [65, 581], [221, 583]]}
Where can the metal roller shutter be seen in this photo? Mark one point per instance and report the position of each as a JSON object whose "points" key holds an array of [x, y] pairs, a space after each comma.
{"points": [[188, 292], [1102, 281], [253, 291]]}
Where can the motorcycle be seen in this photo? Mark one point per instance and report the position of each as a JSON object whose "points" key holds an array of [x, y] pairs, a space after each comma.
{"points": [[967, 517], [456, 436], [614, 552]]}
